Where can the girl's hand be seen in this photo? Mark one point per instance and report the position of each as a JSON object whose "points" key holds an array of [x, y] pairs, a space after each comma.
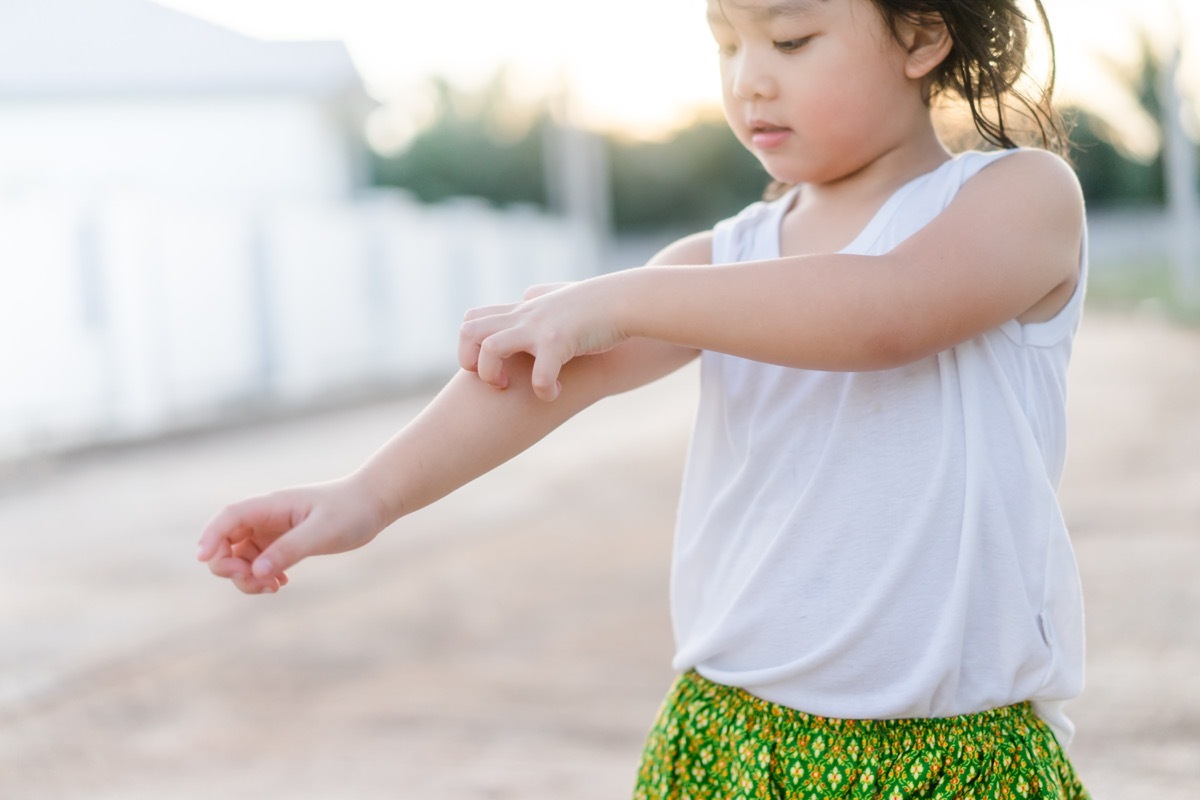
{"points": [[554, 324], [252, 542]]}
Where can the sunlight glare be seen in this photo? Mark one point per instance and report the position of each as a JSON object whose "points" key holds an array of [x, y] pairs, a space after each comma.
{"points": [[634, 66]]}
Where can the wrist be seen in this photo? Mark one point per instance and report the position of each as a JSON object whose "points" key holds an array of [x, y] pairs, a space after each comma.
{"points": [[382, 504], [621, 302]]}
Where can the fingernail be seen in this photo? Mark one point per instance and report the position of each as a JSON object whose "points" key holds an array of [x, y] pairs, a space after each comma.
{"points": [[262, 568], [200, 552]]}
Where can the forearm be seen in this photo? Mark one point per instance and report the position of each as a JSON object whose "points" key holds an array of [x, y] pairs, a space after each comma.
{"points": [[470, 427], [825, 312]]}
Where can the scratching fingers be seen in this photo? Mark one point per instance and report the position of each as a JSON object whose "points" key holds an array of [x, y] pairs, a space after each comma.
{"points": [[492, 352], [488, 311], [544, 288], [544, 377], [477, 324]]}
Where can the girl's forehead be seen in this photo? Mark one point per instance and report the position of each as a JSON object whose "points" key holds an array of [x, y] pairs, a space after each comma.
{"points": [[764, 10]]}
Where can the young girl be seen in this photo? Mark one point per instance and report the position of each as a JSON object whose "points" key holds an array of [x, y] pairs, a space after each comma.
{"points": [[873, 592]]}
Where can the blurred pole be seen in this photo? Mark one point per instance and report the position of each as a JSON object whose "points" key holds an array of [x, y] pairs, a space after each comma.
{"points": [[579, 182], [1179, 164]]}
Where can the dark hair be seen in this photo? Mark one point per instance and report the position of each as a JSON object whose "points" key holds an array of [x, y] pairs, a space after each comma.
{"points": [[985, 64]]}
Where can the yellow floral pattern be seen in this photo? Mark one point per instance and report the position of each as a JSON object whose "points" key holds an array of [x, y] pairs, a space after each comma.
{"points": [[713, 742]]}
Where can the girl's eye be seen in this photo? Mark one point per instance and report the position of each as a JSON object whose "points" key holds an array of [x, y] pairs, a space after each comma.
{"points": [[792, 45]]}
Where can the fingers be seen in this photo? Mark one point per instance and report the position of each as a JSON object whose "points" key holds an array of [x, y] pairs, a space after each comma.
{"points": [[306, 539], [252, 585], [234, 540], [544, 288], [491, 335], [470, 335], [488, 311], [468, 353], [492, 352], [544, 378], [238, 571], [242, 520], [233, 563], [484, 343], [225, 527], [549, 358], [254, 542]]}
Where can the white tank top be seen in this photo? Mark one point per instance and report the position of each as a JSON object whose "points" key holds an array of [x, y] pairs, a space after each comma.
{"points": [[885, 544]]}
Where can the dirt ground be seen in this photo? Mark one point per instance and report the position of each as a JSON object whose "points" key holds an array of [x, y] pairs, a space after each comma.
{"points": [[514, 641]]}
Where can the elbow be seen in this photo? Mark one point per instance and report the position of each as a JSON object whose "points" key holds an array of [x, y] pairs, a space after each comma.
{"points": [[891, 340], [887, 323]]}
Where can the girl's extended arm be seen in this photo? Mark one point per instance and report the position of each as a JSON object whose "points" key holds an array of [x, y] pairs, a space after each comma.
{"points": [[1006, 247], [467, 430]]}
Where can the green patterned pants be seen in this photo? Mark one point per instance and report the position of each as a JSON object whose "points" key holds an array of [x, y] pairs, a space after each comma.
{"points": [[713, 742]]}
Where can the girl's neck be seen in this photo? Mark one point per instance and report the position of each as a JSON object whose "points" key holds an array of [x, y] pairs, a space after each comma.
{"points": [[882, 175], [827, 216]]}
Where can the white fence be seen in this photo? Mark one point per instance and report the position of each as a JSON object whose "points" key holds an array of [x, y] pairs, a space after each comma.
{"points": [[138, 316]]}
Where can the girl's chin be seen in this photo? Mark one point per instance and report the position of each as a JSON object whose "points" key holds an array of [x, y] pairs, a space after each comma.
{"points": [[781, 173]]}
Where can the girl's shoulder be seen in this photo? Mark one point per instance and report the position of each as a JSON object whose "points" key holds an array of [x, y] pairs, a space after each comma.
{"points": [[694, 250], [994, 183], [1008, 244], [1011, 189], [1026, 169]]}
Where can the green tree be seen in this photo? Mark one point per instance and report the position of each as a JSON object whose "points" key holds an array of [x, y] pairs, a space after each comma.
{"points": [[468, 151], [1108, 175], [698, 176], [1110, 178], [694, 178]]}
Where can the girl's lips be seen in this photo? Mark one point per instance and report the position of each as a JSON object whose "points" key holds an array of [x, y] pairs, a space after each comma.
{"points": [[768, 138]]}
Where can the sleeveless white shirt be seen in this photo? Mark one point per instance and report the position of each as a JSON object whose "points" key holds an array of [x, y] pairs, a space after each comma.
{"points": [[885, 544]]}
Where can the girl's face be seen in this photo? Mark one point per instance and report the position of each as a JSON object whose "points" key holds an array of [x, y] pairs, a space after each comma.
{"points": [[816, 89]]}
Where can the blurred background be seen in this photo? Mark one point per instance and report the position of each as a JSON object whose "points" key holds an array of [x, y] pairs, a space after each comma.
{"points": [[236, 240]]}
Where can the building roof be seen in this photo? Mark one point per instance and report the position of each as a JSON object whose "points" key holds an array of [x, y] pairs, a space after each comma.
{"points": [[130, 47]]}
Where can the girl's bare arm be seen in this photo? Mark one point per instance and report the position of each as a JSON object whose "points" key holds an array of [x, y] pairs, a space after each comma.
{"points": [[467, 430], [1007, 247]]}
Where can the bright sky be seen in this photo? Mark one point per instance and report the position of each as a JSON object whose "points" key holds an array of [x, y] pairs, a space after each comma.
{"points": [[638, 65]]}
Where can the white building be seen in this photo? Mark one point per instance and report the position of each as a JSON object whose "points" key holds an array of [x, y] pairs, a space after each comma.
{"points": [[186, 230], [104, 94]]}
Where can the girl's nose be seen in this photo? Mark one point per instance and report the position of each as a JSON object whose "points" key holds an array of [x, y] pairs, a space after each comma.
{"points": [[750, 80]]}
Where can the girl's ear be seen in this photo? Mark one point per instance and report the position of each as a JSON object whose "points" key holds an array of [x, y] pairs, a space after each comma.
{"points": [[927, 42]]}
